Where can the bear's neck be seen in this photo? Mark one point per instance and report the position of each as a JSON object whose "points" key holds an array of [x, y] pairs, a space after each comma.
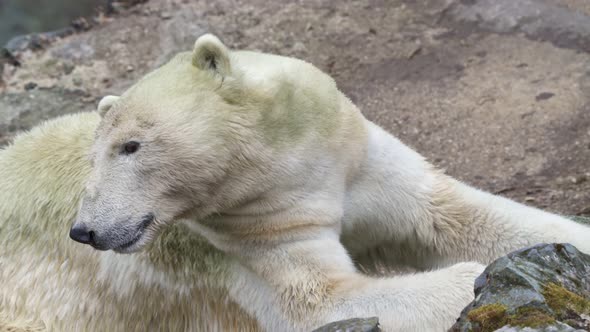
{"points": [[289, 192]]}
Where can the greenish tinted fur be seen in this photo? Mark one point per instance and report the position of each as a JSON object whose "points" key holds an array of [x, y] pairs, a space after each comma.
{"points": [[178, 247], [294, 112], [289, 114], [580, 219]]}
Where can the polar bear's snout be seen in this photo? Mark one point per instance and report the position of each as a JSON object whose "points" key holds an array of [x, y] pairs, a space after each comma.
{"points": [[80, 233], [121, 239]]}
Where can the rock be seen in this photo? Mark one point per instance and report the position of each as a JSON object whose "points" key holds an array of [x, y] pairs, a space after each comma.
{"points": [[34, 41], [544, 96], [579, 179], [542, 288], [538, 19], [165, 15], [22, 111], [30, 86], [352, 325]]}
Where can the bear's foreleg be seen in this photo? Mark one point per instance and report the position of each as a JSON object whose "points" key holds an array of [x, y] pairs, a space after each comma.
{"points": [[302, 285]]}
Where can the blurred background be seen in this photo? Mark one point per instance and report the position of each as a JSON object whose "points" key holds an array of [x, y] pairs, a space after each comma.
{"points": [[20, 17], [496, 92]]}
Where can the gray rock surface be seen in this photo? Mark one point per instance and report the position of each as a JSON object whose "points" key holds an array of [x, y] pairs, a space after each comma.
{"points": [[23, 111], [352, 325], [29, 16], [542, 20], [542, 288]]}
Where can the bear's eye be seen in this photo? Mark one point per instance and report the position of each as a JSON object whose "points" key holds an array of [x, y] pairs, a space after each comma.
{"points": [[130, 147]]}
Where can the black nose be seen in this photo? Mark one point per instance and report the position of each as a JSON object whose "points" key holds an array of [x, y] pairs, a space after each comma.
{"points": [[81, 234]]}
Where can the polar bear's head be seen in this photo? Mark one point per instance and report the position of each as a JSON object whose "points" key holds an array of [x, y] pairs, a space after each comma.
{"points": [[197, 136]]}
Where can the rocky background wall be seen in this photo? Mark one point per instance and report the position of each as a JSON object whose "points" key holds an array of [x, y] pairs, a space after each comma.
{"points": [[495, 91]]}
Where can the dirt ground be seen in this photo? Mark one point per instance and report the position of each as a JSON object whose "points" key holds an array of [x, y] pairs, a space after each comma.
{"points": [[497, 92]]}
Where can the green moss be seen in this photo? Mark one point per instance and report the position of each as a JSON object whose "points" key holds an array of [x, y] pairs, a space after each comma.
{"points": [[493, 316], [530, 317], [489, 317], [562, 301]]}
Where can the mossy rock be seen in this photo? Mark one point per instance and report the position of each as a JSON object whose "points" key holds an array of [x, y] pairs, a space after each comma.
{"points": [[489, 317], [541, 288]]}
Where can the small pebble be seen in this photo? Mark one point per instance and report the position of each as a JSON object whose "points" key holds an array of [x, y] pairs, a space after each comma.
{"points": [[544, 96], [578, 179], [30, 86], [77, 81]]}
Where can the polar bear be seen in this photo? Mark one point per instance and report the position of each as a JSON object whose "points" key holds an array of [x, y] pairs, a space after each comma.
{"points": [[276, 167], [51, 283]]}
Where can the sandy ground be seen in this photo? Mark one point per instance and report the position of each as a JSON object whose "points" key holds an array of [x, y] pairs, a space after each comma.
{"points": [[496, 92]]}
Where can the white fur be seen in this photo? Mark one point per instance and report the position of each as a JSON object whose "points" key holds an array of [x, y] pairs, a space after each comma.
{"points": [[105, 104], [392, 202]]}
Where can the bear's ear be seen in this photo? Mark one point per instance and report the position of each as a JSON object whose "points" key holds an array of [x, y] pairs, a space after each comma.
{"points": [[105, 104], [210, 54]]}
